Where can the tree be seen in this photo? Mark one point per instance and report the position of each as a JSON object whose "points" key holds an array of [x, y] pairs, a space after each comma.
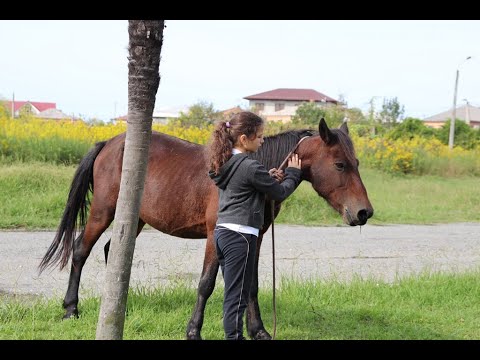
{"points": [[391, 112], [96, 122], [355, 115], [308, 113], [465, 136], [4, 111], [145, 44], [200, 115], [409, 128], [341, 100]]}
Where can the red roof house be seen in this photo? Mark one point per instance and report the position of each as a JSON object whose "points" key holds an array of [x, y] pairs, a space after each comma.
{"points": [[292, 95], [281, 104], [29, 107]]}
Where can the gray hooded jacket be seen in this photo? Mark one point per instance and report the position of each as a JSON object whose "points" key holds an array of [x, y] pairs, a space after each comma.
{"points": [[243, 185]]}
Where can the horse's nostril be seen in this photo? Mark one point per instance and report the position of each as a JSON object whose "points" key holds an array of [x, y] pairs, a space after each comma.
{"points": [[362, 215]]}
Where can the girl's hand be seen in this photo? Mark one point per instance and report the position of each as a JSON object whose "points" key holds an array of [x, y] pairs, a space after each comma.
{"points": [[295, 162], [276, 174]]}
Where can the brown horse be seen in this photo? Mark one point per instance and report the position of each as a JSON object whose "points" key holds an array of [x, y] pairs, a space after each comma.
{"points": [[181, 200]]}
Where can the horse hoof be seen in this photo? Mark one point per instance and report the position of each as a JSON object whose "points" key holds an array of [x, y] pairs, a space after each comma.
{"points": [[70, 314], [262, 335], [193, 335]]}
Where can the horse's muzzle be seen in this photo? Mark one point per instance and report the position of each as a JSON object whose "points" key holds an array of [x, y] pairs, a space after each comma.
{"points": [[361, 217]]}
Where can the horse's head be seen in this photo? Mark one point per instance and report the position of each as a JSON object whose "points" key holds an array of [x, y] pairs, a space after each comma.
{"points": [[330, 164]]}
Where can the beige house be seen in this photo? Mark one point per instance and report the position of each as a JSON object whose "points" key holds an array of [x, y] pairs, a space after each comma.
{"points": [[55, 114], [229, 112], [281, 104], [468, 113]]}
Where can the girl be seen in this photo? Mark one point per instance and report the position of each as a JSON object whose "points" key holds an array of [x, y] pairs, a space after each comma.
{"points": [[243, 185]]}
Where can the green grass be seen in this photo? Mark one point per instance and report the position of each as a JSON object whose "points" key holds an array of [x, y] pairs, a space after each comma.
{"points": [[429, 306], [33, 196]]}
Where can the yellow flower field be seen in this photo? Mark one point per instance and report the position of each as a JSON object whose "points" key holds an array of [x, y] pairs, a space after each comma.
{"points": [[66, 142]]}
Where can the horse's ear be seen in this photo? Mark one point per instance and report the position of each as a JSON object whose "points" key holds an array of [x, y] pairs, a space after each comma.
{"points": [[344, 127], [324, 131]]}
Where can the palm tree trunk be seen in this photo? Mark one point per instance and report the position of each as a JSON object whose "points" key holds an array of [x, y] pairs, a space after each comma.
{"points": [[145, 44]]}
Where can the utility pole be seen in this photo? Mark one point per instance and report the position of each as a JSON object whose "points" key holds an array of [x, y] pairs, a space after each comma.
{"points": [[467, 112], [13, 105], [370, 116], [454, 112], [454, 115]]}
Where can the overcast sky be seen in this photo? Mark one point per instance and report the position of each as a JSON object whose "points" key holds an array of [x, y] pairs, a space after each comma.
{"points": [[82, 65]]}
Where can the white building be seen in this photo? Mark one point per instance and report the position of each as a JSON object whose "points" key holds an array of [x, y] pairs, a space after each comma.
{"points": [[163, 114]]}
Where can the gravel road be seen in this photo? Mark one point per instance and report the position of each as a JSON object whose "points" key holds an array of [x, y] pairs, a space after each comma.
{"points": [[381, 252]]}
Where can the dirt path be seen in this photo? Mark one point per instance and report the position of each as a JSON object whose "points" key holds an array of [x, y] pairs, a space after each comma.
{"points": [[383, 252]]}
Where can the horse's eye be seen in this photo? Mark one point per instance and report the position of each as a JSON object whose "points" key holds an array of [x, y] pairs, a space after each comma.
{"points": [[340, 166]]}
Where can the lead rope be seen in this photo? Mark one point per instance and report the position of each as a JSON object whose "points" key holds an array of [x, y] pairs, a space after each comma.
{"points": [[272, 207]]}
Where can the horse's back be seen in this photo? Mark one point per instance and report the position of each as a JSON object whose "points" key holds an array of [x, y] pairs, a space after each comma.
{"points": [[177, 193], [166, 154]]}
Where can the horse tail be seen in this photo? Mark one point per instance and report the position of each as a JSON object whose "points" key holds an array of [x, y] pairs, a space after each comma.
{"points": [[78, 202]]}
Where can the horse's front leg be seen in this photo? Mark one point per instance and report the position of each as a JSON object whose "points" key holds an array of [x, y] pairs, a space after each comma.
{"points": [[255, 328], [205, 289]]}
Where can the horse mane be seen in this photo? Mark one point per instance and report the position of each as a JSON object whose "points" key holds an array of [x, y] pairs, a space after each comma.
{"points": [[347, 145], [276, 147]]}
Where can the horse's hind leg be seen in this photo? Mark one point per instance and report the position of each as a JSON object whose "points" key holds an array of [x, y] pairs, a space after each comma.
{"points": [[95, 226], [205, 289], [255, 328], [106, 248]]}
